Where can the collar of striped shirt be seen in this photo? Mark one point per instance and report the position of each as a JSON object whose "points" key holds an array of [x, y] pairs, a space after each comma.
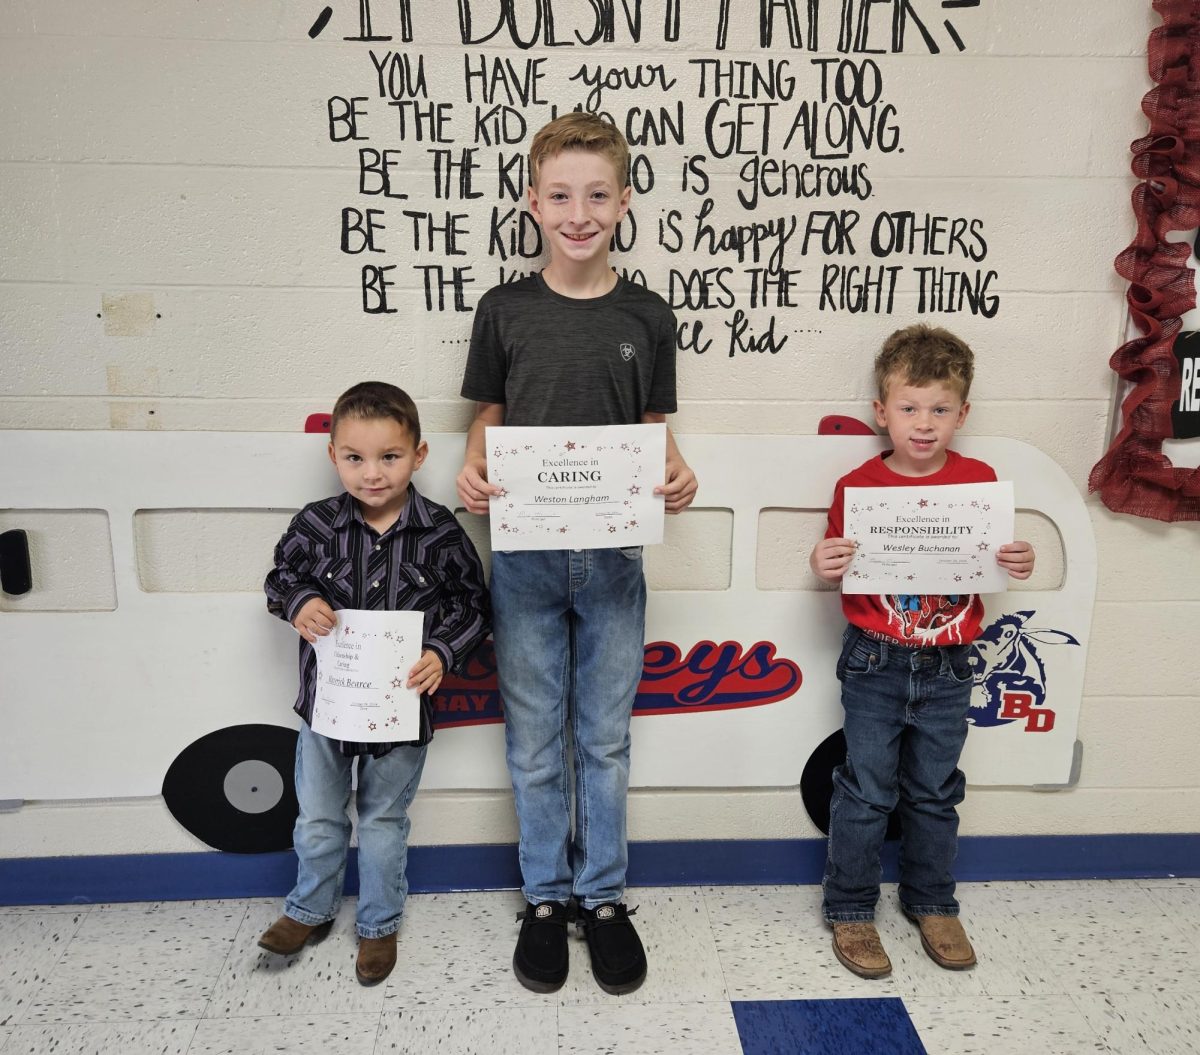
{"points": [[415, 513]]}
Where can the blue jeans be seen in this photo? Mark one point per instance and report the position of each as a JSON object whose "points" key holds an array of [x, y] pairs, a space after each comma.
{"points": [[906, 723], [386, 787], [569, 627]]}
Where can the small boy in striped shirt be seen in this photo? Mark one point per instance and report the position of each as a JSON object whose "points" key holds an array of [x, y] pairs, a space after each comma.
{"points": [[378, 545]]}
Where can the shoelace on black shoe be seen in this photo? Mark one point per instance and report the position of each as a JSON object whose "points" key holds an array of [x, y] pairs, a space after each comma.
{"points": [[588, 921]]}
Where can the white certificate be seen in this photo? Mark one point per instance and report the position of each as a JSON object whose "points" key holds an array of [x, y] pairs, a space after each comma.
{"points": [[936, 539], [362, 671], [576, 488]]}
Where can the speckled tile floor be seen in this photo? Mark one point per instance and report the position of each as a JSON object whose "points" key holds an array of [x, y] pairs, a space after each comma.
{"points": [[1064, 967]]}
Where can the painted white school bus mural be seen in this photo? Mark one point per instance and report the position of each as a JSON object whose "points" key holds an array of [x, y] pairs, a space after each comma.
{"points": [[190, 693]]}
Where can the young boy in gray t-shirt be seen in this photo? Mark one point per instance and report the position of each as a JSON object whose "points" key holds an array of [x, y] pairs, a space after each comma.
{"points": [[574, 345]]}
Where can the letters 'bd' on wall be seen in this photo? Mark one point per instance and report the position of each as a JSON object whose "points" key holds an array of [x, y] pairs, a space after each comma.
{"points": [[775, 154]]}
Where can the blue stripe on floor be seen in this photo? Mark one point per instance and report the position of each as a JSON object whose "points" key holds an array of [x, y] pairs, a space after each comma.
{"points": [[826, 1027]]}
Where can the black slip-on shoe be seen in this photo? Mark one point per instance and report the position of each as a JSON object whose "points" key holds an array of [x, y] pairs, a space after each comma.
{"points": [[540, 961], [618, 959]]}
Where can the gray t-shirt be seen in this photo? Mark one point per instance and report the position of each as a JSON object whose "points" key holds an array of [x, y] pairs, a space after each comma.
{"points": [[555, 360]]}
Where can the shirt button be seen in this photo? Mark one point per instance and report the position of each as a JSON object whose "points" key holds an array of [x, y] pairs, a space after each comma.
{"points": [[420, 580], [329, 575], [378, 548], [375, 583]]}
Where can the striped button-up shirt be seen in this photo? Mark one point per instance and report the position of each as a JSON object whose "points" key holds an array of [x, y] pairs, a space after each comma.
{"points": [[423, 562]]}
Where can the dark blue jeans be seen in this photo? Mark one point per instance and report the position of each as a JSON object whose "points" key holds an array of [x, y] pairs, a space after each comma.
{"points": [[906, 723]]}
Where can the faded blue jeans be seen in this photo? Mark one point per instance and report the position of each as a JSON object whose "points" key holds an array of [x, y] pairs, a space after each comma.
{"points": [[906, 723], [569, 628], [386, 787]]}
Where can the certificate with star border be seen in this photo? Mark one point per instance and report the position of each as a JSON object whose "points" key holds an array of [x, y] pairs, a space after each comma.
{"points": [[576, 488], [936, 539], [362, 670]]}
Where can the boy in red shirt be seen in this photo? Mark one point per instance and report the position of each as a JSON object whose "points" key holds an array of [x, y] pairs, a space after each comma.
{"points": [[905, 674]]}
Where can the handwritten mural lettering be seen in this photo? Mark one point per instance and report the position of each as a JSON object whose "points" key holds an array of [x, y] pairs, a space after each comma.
{"points": [[757, 172]]}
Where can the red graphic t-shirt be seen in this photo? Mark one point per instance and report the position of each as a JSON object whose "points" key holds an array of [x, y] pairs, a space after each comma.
{"points": [[912, 619]]}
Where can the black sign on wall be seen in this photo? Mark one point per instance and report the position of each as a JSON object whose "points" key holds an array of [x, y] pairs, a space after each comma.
{"points": [[1185, 412]]}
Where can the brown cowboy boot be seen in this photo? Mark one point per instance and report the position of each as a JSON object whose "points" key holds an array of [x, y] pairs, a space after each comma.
{"points": [[376, 958], [945, 942], [286, 935], [858, 948]]}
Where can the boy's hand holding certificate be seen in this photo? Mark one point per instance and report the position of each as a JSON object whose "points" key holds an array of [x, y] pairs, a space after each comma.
{"points": [[362, 671], [940, 539], [576, 488]]}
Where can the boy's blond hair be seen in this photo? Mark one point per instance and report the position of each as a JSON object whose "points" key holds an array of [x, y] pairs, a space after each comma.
{"points": [[921, 355], [579, 131]]}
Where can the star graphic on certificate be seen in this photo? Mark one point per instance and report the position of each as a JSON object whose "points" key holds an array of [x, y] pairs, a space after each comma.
{"points": [[983, 546], [570, 445], [397, 683], [612, 527], [923, 502], [562, 530], [635, 490]]}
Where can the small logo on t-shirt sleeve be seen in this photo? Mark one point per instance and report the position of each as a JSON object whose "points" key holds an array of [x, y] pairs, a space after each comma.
{"points": [[628, 351]]}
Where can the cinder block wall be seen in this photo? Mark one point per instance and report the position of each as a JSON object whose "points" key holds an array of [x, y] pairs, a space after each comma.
{"points": [[172, 186]]}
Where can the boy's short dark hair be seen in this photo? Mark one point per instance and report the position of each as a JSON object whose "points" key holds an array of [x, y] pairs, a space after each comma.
{"points": [[925, 355], [377, 399], [579, 131]]}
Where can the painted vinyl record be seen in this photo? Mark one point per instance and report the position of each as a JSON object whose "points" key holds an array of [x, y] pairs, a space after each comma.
{"points": [[233, 788], [816, 783]]}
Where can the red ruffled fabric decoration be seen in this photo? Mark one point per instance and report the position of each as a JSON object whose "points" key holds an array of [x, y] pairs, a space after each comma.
{"points": [[1134, 476]]}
